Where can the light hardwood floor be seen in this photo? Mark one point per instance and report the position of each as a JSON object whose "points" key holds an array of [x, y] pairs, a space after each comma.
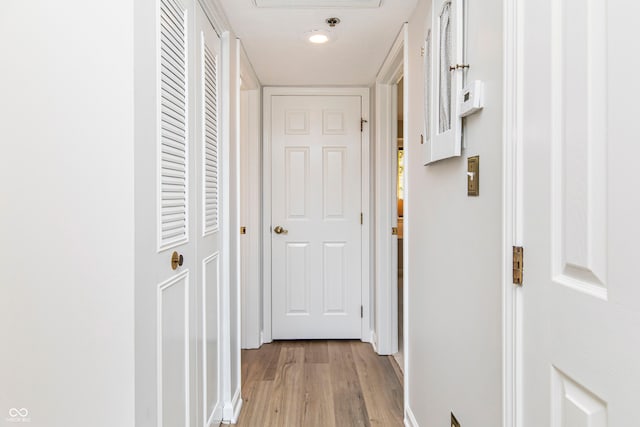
{"points": [[319, 384]]}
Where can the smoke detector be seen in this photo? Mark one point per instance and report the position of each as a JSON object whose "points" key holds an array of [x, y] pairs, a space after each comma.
{"points": [[332, 21]]}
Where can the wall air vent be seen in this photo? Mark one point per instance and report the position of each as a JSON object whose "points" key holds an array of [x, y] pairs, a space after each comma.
{"points": [[318, 4]]}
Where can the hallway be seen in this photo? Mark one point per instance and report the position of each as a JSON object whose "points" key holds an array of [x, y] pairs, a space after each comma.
{"points": [[319, 383]]}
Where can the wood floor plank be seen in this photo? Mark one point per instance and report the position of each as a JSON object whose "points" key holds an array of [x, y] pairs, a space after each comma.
{"points": [[284, 409], [253, 365], [254, 409], [349, 404], [380, 387], [272, 357], [318, 396], [316, 351], [293, 387], [397, 370], [256, 365], [319, 384]]}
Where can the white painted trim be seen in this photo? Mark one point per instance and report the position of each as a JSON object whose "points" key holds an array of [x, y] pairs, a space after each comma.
{"points": [[251, 209], [232, 409], [267, 93], [226, 91], [512, 211], [374, 341], [229, 183], [216, 413], [252, 242], [406, 278], [215, 13], [394, 59], [386, 245], [266, 217], [247, 73], [235, 227], [409, 418], [183, 276], [366, 279], [237, 406], [314, 4]]}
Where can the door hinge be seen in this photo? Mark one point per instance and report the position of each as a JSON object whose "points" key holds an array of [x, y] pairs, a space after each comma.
{"points": [[361, 218], [518, 264], [394, 231], [243, 230], [362, 122], [361, 312]]}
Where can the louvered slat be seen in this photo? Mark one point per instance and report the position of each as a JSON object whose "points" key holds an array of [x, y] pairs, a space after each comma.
{"points": [[173, 124], [210, 202]]}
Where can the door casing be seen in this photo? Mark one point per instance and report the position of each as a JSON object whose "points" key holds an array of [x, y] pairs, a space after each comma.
{"points": [[268, 92], [250, 204], [386, 252], [512, 214]]}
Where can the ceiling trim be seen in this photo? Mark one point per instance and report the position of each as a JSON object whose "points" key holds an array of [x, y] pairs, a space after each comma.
{"points": [[317, 4], [216, 15], [394, 61]]}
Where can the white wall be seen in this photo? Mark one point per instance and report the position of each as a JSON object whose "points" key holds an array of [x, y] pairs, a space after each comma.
{"points": [[455, 243], [66, 223]]}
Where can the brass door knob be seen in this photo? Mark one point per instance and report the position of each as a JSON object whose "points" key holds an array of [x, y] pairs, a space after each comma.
{"points": [[176, 260], [280, 230]]}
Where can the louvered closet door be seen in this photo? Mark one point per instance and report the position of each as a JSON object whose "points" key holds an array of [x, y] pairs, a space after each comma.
{"points": [[166, 211], [208, 220], [176, 218], [177, 325]]}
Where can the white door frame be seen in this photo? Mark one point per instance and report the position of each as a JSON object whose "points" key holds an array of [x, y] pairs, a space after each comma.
{"points": [[251, 203], [386, 301], [267, 93], [512, 213]]}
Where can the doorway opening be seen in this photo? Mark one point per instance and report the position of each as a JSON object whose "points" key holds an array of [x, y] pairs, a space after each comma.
{"points": [[390, 296], [332, 269], [399, 177]]}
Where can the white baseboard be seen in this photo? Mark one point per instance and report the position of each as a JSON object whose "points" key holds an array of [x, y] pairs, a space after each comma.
{"points": [[236, 406], [232, 409], [374, 341], [263, 339], [216, 416], [409, 418], [399, 358]]}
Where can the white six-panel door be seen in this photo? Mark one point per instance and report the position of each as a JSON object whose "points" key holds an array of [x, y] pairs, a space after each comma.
{"points": [[581, 301], [316, 199]]}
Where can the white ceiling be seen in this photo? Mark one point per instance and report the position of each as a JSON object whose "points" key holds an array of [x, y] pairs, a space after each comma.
{"points": [[274, 41]]}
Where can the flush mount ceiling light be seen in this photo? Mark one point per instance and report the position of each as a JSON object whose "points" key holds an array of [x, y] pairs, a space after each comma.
{"points": [[317, 37]]}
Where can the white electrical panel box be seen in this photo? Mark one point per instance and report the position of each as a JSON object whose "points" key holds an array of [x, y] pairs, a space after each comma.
{"points": [[472, 98]]}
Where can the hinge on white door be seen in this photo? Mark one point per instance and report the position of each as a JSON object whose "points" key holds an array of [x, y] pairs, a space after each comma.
{"points": [[361, 312], [361, 218], [518, 264], [362, 122]]}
